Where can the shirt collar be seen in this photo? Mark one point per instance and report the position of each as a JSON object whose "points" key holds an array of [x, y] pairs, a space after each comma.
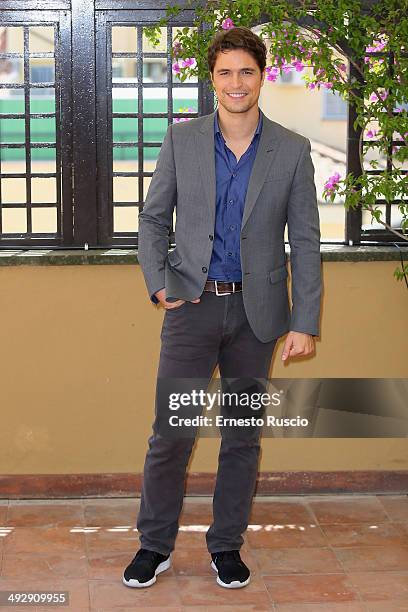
{"points": [[217, 127]]}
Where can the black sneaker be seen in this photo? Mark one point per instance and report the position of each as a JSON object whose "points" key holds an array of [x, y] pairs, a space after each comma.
{"points": [[232, 571], [144, 567]]}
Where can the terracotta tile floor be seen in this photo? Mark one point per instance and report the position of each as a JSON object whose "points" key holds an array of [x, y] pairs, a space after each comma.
{"points": [[316, 553]]}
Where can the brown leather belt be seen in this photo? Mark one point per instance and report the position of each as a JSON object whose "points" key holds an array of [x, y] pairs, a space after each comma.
{"points": [[222, 287]]}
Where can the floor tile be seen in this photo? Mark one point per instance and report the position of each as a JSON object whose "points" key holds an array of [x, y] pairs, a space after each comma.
{"points": [[353, 509], [233, 608], [112, 539], [3, 512], [396, 506], [381, 586], [111, 512], [373, 558], [44, 540], [204, 591], [278, 510], [292, 560], [35, 513], [364, 534], [390, 606], [52, 565], [280, 535], [311, 588], [113, 594], [322, 607]]}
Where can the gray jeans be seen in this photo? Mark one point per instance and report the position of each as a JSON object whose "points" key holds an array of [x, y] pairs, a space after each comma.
{"points": [[195, 338]]}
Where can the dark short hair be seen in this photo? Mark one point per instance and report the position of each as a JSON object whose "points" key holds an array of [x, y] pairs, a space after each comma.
{"points": [[237, 38]]}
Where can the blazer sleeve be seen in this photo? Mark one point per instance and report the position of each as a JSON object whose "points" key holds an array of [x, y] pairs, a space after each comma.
{"points": [[304, 239], [156, 217]]}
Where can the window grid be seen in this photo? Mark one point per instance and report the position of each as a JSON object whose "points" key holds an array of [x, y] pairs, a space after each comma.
{"points": [[140, 144], [384, 235], [27, 88]]}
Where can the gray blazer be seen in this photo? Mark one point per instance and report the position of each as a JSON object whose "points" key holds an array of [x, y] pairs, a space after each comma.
{"points": [[281, 190]]}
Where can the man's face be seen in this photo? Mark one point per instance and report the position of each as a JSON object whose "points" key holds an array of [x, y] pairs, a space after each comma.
{"points": [[236, 71]]}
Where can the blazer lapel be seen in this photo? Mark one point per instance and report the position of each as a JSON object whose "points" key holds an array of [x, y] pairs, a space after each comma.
{"points": [[267, 148]]}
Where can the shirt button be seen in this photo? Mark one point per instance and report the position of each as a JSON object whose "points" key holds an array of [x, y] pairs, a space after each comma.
{"points": [[230, 254], [204, 269], [232, 227], [211, 237]]}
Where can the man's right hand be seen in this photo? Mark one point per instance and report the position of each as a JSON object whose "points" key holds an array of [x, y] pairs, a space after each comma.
{"points": [[161, 296]]}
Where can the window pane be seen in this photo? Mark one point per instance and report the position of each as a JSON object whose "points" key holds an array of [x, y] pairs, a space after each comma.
{"points": [[44, 220], [125, 218], [161, 47], [125, 159], [43, 160], [43, 190], [42, 130], [154, 130], [124, 39], [125, 188], [13, 38], [155, 70], [42, 70], [13, 191], [125, 130], [124, 100], [41, 39], [12, 101], [12, 130], [124, 70], [14, 220], [155, 100]]}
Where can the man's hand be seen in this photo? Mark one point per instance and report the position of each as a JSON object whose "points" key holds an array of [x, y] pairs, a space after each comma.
{"points": [[161, 296], [297, 343]]}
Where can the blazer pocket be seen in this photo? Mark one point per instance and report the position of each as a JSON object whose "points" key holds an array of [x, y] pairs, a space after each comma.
{"points": [[277, 176], [174, 258], [279, 274]]}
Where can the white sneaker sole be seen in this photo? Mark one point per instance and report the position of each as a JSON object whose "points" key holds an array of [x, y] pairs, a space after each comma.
{"points": [[162, 567], [236, 584]]}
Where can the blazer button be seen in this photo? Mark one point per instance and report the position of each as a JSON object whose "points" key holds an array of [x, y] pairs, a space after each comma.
{"points": [[211, 237], [204, 269]]}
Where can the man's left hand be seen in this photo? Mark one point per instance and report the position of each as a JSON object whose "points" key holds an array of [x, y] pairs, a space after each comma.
{"points": [[297, 343]]}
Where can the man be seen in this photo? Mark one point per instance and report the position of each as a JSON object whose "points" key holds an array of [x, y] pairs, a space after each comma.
{"points": [[236, 178]]}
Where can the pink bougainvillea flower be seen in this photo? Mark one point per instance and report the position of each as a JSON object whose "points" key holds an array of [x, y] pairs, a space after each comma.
{"points": [[286, 68], [328, 85], [272, 73], [374, 97], [187, 62], [298, 65], [176, 68], [330, 186], [343, 67], [227, 24], [311, 85], [371, 133]]}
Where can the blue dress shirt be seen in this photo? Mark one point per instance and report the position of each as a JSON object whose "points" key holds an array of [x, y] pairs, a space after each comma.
{"points": [[232, 180]]}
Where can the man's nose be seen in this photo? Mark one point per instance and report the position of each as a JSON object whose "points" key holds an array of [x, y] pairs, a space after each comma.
{"points": [[236, 81]]}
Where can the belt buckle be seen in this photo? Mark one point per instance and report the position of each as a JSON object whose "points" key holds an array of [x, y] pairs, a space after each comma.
{"points": [[227, 292]]}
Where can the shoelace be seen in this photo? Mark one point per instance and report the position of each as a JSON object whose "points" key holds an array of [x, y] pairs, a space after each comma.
{"points": [[229, 555], [146, 555]]}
